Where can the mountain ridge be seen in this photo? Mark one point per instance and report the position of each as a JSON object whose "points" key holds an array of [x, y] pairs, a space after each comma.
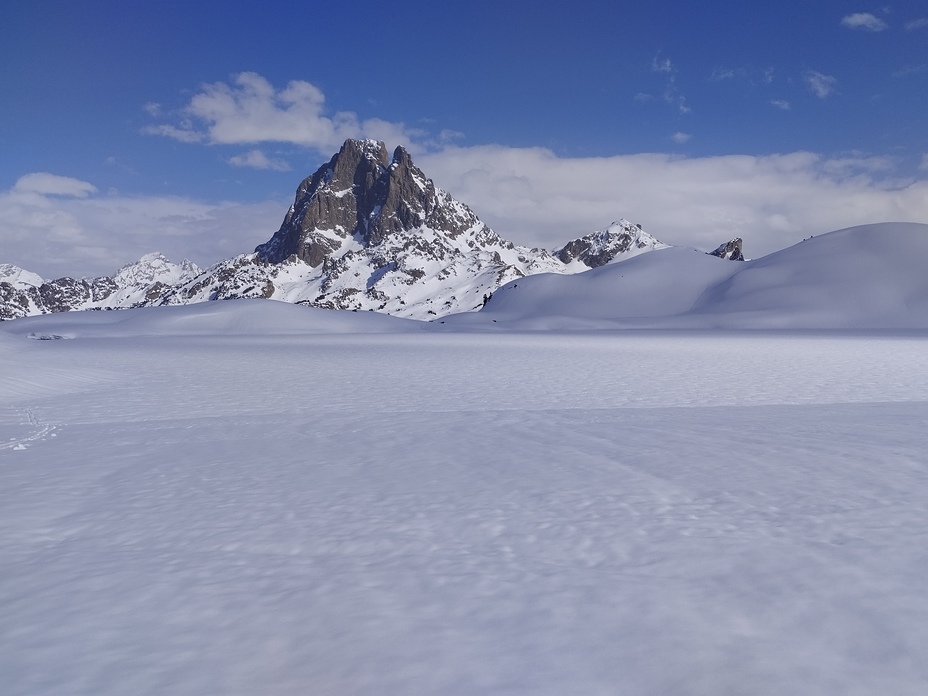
{"points": [[367, 231]]}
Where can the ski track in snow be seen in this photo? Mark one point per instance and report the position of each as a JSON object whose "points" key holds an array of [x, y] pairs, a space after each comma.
{"points": [[37, 431], [619, 513]]}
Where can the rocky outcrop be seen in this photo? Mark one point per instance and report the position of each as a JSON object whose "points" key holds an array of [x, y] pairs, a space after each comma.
{"points": [[729, 250], [621, 238]]}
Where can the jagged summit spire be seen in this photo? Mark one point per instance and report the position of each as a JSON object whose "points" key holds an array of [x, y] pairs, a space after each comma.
{"points": [[361, 194]]}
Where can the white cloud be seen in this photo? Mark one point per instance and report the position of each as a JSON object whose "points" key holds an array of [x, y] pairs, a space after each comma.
{"points": [[256, 159], [781, 104], [680, 137], [251, 111], [534, 197], [920, 23], [924, 164], [864, 20], [46, 184], [56, 226], [184, 135], [821, 85]]}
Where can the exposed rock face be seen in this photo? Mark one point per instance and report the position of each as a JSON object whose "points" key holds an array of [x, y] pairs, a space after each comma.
{"points": [[729, 250], [599, 248], [330, 205], [360, 195]]}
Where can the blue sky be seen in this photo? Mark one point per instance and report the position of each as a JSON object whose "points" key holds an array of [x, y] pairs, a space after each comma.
{"points": [[128, 127]]}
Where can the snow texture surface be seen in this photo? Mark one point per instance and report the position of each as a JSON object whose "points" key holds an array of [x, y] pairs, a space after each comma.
{"points": [[252, 497]]}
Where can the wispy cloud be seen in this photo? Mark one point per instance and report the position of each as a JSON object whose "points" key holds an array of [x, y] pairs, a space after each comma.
{"points": [[251, 110], [255, 159], [865, 21], [781, 104], [920, 23], [722, 74], [679, 137], [752, 75], [821, 85], [911, 70], [671, 94], [661, 64], [924, 164]]}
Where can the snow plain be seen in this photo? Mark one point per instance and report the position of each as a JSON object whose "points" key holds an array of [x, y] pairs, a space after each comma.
{"points": [[258, 498]]}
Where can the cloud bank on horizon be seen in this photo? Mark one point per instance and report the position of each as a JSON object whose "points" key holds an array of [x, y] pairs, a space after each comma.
{"points": [[252, 136]]}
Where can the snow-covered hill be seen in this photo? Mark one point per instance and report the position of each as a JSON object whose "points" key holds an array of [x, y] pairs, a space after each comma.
{"points": [[872, 276]]}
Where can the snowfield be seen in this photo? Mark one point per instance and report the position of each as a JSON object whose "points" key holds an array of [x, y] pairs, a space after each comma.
{"points": [[252, 497]]}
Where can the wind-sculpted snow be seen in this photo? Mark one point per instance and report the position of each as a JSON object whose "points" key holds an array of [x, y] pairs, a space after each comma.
{"points": [[864, 277], [250, 497]]}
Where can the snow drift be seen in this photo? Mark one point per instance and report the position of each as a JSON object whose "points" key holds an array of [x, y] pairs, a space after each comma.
{"points": [[227, 318]]}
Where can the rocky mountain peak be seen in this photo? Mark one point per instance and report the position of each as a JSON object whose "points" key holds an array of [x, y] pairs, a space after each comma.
{"points": [[154, 267], [360, 195], [19, 278], [621, 238]]}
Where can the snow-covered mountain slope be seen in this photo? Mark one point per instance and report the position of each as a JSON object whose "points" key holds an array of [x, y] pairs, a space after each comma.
{"points": [[19, 278], [871, 276], [136, 284]]}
